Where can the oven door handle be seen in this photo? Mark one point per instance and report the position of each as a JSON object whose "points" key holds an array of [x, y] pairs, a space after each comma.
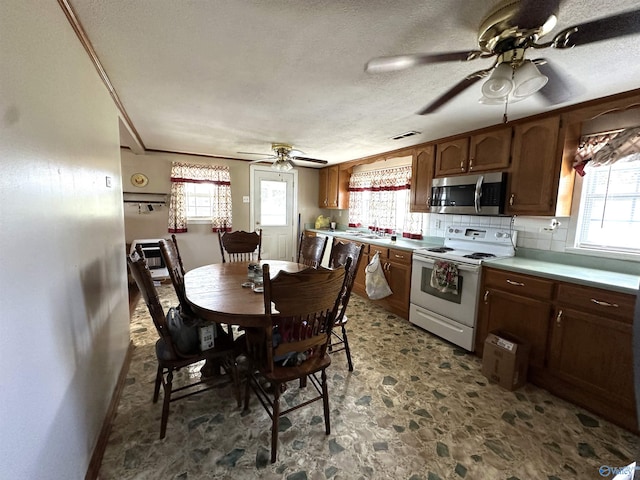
{"points": [[429, 262], [478, 194]]}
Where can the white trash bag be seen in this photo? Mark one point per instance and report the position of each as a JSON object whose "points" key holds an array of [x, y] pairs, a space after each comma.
{"points": [[376, 285]]}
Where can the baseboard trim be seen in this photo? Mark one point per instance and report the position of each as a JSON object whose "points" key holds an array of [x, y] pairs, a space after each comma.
{"points": [[101, 445]]}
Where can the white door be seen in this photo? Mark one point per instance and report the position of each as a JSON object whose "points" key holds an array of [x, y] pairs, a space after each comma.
{"points": [[273, 205]]}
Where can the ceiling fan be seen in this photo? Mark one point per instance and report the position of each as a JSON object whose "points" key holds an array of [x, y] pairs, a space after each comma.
{"points": [[506, 33], [284, 155]]}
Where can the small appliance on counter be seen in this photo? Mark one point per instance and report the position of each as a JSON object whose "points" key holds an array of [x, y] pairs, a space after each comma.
{"points": [[322, 222]]}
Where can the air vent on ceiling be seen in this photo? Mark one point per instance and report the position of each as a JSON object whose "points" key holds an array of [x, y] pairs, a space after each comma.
{"points": [[410, 133]]}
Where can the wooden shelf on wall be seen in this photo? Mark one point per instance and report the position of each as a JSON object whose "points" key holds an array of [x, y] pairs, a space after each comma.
{"points": [[144, 197]]}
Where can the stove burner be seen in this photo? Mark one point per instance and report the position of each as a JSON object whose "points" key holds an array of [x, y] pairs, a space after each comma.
{"points": [[479, 255], [439, 249]]}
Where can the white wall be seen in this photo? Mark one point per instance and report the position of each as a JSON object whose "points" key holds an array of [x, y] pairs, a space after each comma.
{"points": [[199, 246], [65, 326]]}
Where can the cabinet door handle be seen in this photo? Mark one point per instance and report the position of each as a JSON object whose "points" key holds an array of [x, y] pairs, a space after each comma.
{"points": [[486, 296], [471, 164], [559, 319], [511, 199], [517, 284], [462, 166], [604, 304], [398, 256]]}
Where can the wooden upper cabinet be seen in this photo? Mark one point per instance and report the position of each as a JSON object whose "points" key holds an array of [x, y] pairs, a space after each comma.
{"points": [[490, 150], [333, 188], [421, 177], [482, 152], [452, 157], [532, 185]]}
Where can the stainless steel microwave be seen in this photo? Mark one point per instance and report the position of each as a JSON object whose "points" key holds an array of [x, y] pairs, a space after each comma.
{"points": [[469, 194]]}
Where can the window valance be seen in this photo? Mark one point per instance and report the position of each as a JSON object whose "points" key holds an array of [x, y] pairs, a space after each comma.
{"points": [[389, 179], [189, 173], [607, 148]]}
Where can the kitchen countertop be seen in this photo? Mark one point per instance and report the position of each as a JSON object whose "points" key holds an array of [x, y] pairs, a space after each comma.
{"points": [[400, 244], [592, 277], [582, 275]]}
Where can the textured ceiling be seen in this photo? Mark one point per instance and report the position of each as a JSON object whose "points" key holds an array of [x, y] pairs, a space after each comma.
{"points": [[219, 77]]}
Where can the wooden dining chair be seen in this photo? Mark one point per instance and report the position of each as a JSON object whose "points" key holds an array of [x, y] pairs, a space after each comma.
{"points": [[170, 357], [292, 344], [240, 246], [311, 250], [340, 252]]}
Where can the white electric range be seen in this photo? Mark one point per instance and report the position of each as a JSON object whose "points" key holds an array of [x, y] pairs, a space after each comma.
{"points": [[451, 314]]}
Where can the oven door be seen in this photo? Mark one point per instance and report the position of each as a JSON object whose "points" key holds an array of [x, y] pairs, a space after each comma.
{"points": [[460, 307]]}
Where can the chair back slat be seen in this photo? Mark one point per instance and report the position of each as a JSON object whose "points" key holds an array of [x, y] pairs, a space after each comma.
{"points": [[175, 243], [311, 250], [171, 259], [240, 246]]}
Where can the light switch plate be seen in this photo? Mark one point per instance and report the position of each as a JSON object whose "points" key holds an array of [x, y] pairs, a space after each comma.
{"points": [[108, 181]]}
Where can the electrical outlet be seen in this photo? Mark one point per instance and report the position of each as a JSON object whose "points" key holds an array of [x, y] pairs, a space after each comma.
{"points": [[438, 224], [245, 199]]}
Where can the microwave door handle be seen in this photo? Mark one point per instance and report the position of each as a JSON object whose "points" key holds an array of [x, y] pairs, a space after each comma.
{"points": [[478, 194]]}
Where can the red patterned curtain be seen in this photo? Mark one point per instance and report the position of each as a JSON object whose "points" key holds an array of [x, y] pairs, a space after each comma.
{"points": [[607, 148], [380, 198], [218, 177]]}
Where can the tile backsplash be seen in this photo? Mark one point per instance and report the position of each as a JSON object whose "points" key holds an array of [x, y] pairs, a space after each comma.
{"points": [[533, 232]]}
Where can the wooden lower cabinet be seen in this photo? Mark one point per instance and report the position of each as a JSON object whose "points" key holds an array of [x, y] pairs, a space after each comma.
{"points": [[524, 317], [580, 337], [398, 275], [396, 264]]}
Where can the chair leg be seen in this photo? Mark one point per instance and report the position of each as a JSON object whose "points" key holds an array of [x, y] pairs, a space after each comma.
{"points": [[325, 402], [156, 388], [235, 378], [275, 423], [346, 347], [247, 389], [165, 404]]}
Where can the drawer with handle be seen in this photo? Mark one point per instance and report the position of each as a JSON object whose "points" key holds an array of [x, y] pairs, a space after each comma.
{"points": [[596, 300], [519, 284], [399, 256]]}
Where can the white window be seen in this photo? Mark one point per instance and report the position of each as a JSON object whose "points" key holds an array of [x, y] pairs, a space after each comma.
{"points": [[609, 217], [200, 201]]}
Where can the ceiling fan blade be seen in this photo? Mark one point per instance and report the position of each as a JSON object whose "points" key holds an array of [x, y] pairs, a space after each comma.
{"points": [[455, 90], [269, 155], [558, 89], [534, 13], [307, 159], [619, 25], [401, 62]]}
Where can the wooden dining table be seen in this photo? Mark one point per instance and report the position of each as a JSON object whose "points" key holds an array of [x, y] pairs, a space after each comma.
{"points": [[215, 292]]}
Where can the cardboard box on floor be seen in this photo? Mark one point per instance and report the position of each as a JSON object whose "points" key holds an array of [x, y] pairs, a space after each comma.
{"points": [[505, 360]]}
